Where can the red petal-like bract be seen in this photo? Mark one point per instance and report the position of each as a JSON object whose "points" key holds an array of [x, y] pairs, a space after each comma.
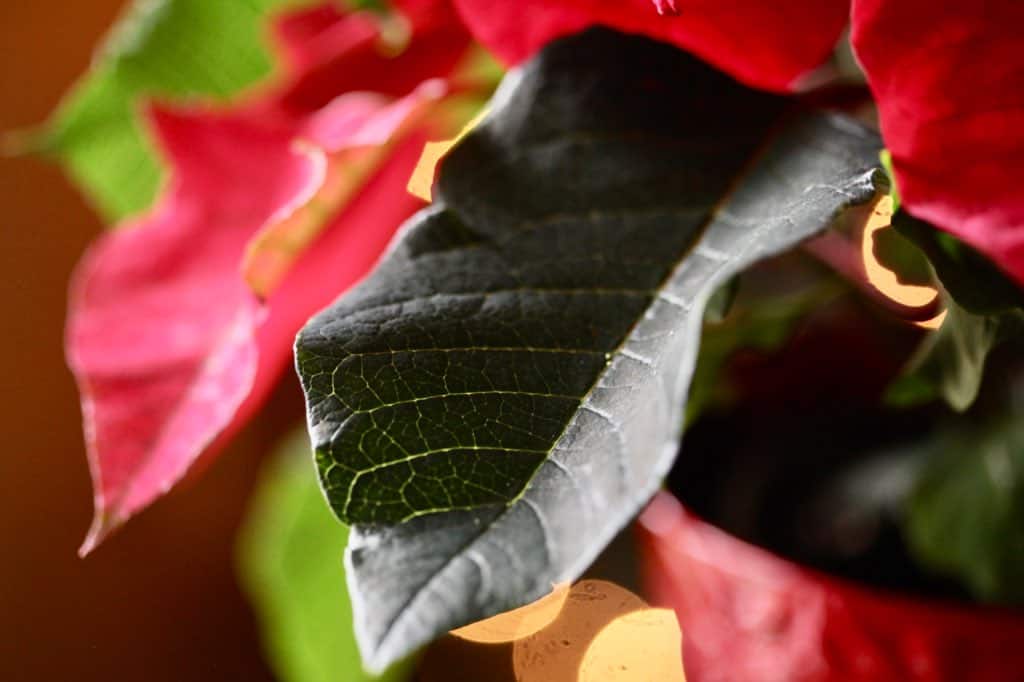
{"points": [[747, 614], [436, 42], [171, 349], [768, 45], [160, 329], [949, 83]]}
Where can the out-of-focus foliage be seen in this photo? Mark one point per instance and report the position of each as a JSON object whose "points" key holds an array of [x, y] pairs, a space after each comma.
{"points": [[970, 278], [160, 48], [894, 192], [291, 564], [984, 308], [758, 317], [950, 364], [180, 323], [965, 516]]}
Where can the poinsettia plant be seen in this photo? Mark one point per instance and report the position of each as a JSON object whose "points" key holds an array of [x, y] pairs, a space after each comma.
{"points": [[498, 368]]}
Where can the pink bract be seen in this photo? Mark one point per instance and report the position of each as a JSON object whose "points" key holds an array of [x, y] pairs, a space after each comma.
{"points": [[171, 349]]}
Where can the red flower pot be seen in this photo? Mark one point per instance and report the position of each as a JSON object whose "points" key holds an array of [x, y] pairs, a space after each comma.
{"points": [[748, 615]]}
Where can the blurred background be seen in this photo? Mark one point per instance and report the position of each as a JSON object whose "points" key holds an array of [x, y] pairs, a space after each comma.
{"points": [[159, 601]]}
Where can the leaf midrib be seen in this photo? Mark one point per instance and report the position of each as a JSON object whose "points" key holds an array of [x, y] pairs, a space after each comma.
{"points": [[711, 215]]}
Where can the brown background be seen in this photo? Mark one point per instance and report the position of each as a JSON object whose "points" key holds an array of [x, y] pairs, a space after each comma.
{"points": [[160, 600]]}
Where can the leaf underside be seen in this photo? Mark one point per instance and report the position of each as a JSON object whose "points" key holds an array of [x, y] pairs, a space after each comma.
{"points": [[507, 389]]}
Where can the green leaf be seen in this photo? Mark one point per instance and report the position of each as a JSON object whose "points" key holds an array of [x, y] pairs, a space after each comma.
{"points": [[159, 48], [507, 389], [972, 280], [885, 156], [984, 309], [965, 516], [290, 563], [950, 363]]}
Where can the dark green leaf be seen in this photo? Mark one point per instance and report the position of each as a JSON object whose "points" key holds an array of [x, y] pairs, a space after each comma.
{"points": [[971, 279], [984, 308], [507, 389], [966, 514], [950, 363], [291, 566], [160, 48], [885, 156]]}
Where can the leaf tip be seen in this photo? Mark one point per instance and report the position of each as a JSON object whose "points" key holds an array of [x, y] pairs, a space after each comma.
{"points": [[379, 648], [103, 525], [378, 660]]}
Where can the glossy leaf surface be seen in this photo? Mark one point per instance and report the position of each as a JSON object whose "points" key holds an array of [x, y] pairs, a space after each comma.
{"points": [[507, 389], [950, 363], [181, 321]]}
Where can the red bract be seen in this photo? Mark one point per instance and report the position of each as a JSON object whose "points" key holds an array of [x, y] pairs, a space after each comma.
{"points": [[764, 44], [949, 82], [749, 615], [181, 320], [349, 52]]}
